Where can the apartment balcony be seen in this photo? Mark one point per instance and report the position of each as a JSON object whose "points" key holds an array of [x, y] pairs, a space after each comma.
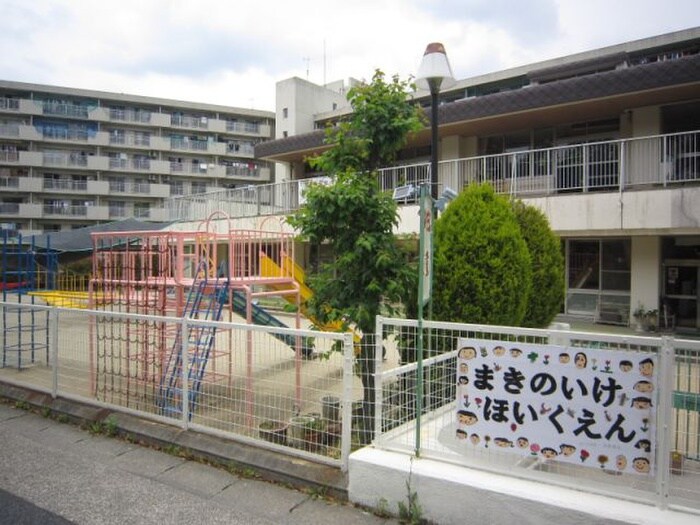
{"points": [[84, 212], [20, 210], [151, 214], [9, 131], [250, 129], [74, 187], [99, 114], [74, 136], [257, 174], [20, 106], [20, 184], [139, 165], [21, 158], [189, 168], [601, 169], [139, 188], [65, 159], [599, 166], [190, 122], [60, 109], [127, 164], [131, 140]]}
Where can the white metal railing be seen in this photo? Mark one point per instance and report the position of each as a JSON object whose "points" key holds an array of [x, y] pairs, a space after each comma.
{"points": [[9, 208], [67, 210], [188, 121], [64, 109], [54, 158], [9, 156], [191, 144], [246, 127], [132, 362], [9, 182], [403, 424], [130, 115], [65, 184], [64, 133], [11, 130], [9, 103], [615, 165]]}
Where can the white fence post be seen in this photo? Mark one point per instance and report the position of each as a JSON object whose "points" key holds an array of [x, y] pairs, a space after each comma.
{"points": [[346, 431], [664, 418], [53, 350], [184, 369], [378, 386]]}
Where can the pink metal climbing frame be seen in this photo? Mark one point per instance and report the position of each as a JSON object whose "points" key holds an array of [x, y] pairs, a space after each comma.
{"points": [[152, 273]]}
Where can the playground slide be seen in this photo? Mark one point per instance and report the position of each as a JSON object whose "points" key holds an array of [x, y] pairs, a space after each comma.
{"points": [[263, 318], [269, 268]]}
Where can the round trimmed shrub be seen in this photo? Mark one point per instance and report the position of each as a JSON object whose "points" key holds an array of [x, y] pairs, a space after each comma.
{"points": [[481, 268], [547, 266]]}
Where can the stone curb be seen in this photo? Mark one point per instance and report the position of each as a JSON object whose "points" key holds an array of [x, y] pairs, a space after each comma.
{"points": [[268, 465]]}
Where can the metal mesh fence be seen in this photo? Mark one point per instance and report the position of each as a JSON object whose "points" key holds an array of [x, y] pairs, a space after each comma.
{"points": [[433, 433], [251, 383]]}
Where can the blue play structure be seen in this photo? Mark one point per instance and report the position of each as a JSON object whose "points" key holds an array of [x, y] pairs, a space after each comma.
{"points": [[25, 335], [205, 301]]}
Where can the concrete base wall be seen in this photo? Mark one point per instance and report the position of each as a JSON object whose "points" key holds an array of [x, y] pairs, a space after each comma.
{"points": [[451, 494]]}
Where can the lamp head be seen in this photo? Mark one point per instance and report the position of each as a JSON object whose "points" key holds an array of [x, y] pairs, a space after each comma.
{"points": [[434, 71]]}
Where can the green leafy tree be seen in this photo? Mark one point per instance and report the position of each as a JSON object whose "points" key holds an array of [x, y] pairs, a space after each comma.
{"points": [[368, 274], [547, 266], [481, 268]]}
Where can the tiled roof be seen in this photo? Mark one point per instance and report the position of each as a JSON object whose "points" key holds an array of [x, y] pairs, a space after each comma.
{"points": [[577, 89]]}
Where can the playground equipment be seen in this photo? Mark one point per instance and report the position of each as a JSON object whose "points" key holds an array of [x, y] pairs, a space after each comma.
{"points": [[205, 301], [173, 273], [24, 335]]}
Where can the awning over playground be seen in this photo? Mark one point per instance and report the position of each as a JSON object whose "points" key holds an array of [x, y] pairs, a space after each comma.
{"points": [[80, 241]]}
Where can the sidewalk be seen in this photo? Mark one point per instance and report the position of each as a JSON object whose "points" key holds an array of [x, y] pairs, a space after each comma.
{"points": [[71, 474]]}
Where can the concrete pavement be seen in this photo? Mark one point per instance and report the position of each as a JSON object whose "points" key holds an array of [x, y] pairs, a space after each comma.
{"points": [[57, 473]]}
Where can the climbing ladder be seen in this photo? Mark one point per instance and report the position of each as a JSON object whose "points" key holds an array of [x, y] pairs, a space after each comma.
{"points": [[25, 335], [205, 301]]}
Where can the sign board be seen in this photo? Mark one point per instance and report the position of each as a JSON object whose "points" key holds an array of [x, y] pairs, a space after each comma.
{"points": [[585, 406], [425, 264]]}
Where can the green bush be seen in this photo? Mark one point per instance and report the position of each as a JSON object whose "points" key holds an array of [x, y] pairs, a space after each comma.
{"points": [[547, 266], [481, 271]]}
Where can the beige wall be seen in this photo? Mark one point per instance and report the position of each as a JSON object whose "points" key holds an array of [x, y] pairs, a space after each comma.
{"points": [[646, 262]]}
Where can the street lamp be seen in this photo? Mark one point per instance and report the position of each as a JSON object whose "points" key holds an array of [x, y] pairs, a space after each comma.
{"points": [[434, 72]]}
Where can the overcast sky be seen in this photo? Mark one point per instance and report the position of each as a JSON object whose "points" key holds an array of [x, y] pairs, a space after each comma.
{"points": [[232, 52]]}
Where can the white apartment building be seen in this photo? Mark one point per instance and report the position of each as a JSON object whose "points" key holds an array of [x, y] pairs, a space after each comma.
{"points": [[71, 158]]}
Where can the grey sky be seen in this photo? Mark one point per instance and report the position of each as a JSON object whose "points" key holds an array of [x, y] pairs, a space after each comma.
{"points": [[232, 52]]}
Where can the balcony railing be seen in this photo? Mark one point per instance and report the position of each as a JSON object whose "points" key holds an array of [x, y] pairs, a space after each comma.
{"points": [[243, 127], [239, 171], [9, 208], [130, 139], [9, 130], [66, 110], [188, 167], [65, 184], [186, 121], [615, 165], [130, 115], [197, 145], [9, 182], [52, 158], [9, 156], [64, 134], [65, 211], [9, 103]]}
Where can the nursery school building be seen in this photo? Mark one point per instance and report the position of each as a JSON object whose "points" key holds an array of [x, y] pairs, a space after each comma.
{"points": [[606, 143]]}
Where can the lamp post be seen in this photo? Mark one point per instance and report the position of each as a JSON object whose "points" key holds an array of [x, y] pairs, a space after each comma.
{"points": [[434, 72]]}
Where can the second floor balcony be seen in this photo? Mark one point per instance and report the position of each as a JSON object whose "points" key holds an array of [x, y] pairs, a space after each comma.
{"points": [[608, 166]]}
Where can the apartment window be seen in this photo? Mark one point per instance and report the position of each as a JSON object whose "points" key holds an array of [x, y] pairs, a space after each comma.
{"points": [[285, 112]]}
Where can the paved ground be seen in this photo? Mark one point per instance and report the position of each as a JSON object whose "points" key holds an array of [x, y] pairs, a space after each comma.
{"points": [[54, 473]]}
